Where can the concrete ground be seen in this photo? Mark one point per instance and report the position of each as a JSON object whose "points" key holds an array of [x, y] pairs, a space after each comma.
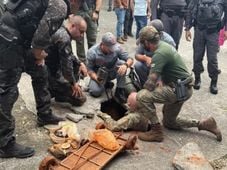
{"points": [[155, 156]]}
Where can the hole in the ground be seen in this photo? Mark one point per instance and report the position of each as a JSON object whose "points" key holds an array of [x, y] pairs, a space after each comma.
{"points": [[114, 109]]}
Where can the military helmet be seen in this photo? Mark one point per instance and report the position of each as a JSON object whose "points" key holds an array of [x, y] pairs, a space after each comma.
{"points": [[157, 23]]}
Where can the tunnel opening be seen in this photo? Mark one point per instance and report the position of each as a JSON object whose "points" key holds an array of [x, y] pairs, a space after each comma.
{"points": [[113, 108]]}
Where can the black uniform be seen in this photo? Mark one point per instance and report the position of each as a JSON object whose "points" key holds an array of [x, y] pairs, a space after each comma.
{"points": [[30, 23], [207, 18], [1, 8], [172, 15], [63, 68]]}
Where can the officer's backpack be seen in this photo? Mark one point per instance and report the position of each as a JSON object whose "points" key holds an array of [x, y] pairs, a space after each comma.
{"points": [[209, 12]]}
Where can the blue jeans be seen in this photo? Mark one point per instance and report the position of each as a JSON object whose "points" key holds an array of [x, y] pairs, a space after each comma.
{"points": [[120, 21], [141, 21]]}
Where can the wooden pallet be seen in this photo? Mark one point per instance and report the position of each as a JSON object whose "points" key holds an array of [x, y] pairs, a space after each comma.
{"points": [[90, 156]]}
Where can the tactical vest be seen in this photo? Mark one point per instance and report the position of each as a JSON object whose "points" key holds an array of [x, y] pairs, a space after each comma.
{"points": [[209, 12], [24, 16]]}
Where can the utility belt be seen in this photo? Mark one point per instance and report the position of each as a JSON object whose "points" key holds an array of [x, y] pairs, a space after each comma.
{"points": [[209, 28], [173, 12], [181, 88]]}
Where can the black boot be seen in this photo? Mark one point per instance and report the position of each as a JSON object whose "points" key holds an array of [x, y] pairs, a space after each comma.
{"points": [[50, 118], [13, 149], [213, 87], [197, 83]]}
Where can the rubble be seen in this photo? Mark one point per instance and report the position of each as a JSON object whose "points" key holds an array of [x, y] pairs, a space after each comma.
{"points": [[190, 157]]}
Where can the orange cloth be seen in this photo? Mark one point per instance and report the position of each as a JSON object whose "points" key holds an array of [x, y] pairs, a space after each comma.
{"points": [[105, 138]]}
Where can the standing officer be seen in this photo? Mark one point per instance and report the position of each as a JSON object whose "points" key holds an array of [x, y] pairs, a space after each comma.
{"points": [[25, 31], [172, 15], [89, 10], [64, 68], [207, 18], [169, 82]]}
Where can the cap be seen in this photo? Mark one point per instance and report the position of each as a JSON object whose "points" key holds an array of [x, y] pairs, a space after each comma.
{"points": [[157, 23], [110, 41], [149, 33]]}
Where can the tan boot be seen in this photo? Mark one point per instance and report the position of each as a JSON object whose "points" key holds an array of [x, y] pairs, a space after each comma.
{"points": [[143, 125], [154, 135], [120, 41], [210, 126]]}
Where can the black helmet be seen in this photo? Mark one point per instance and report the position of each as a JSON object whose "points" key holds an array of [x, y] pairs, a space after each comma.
{"points": [[157, 24]]}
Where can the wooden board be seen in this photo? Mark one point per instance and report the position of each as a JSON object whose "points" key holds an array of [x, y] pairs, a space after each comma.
{"points": [[91, 156]]}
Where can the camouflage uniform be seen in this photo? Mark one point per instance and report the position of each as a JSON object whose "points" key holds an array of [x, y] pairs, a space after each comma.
{"points": [[16, 56], [63, 68], [86, 10]]}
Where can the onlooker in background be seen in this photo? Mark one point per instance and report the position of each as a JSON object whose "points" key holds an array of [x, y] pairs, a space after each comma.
{"points": [[109, 59], [89, 10], [120, 7], [128, 21], [110, 3], [141, 11], [221, 39]]}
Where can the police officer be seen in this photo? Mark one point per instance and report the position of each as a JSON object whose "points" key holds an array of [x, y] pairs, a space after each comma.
{"points": [[143, 57], [168, 74], [107, 61], [89, 10], [172, 15], [64, 68], [25, 30], [206, 17]]}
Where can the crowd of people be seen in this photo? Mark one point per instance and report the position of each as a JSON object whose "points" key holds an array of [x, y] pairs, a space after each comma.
{"points": [[36, 36]]}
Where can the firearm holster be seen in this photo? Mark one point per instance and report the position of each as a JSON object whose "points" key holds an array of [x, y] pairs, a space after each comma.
{"points": [[181, 88]]}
